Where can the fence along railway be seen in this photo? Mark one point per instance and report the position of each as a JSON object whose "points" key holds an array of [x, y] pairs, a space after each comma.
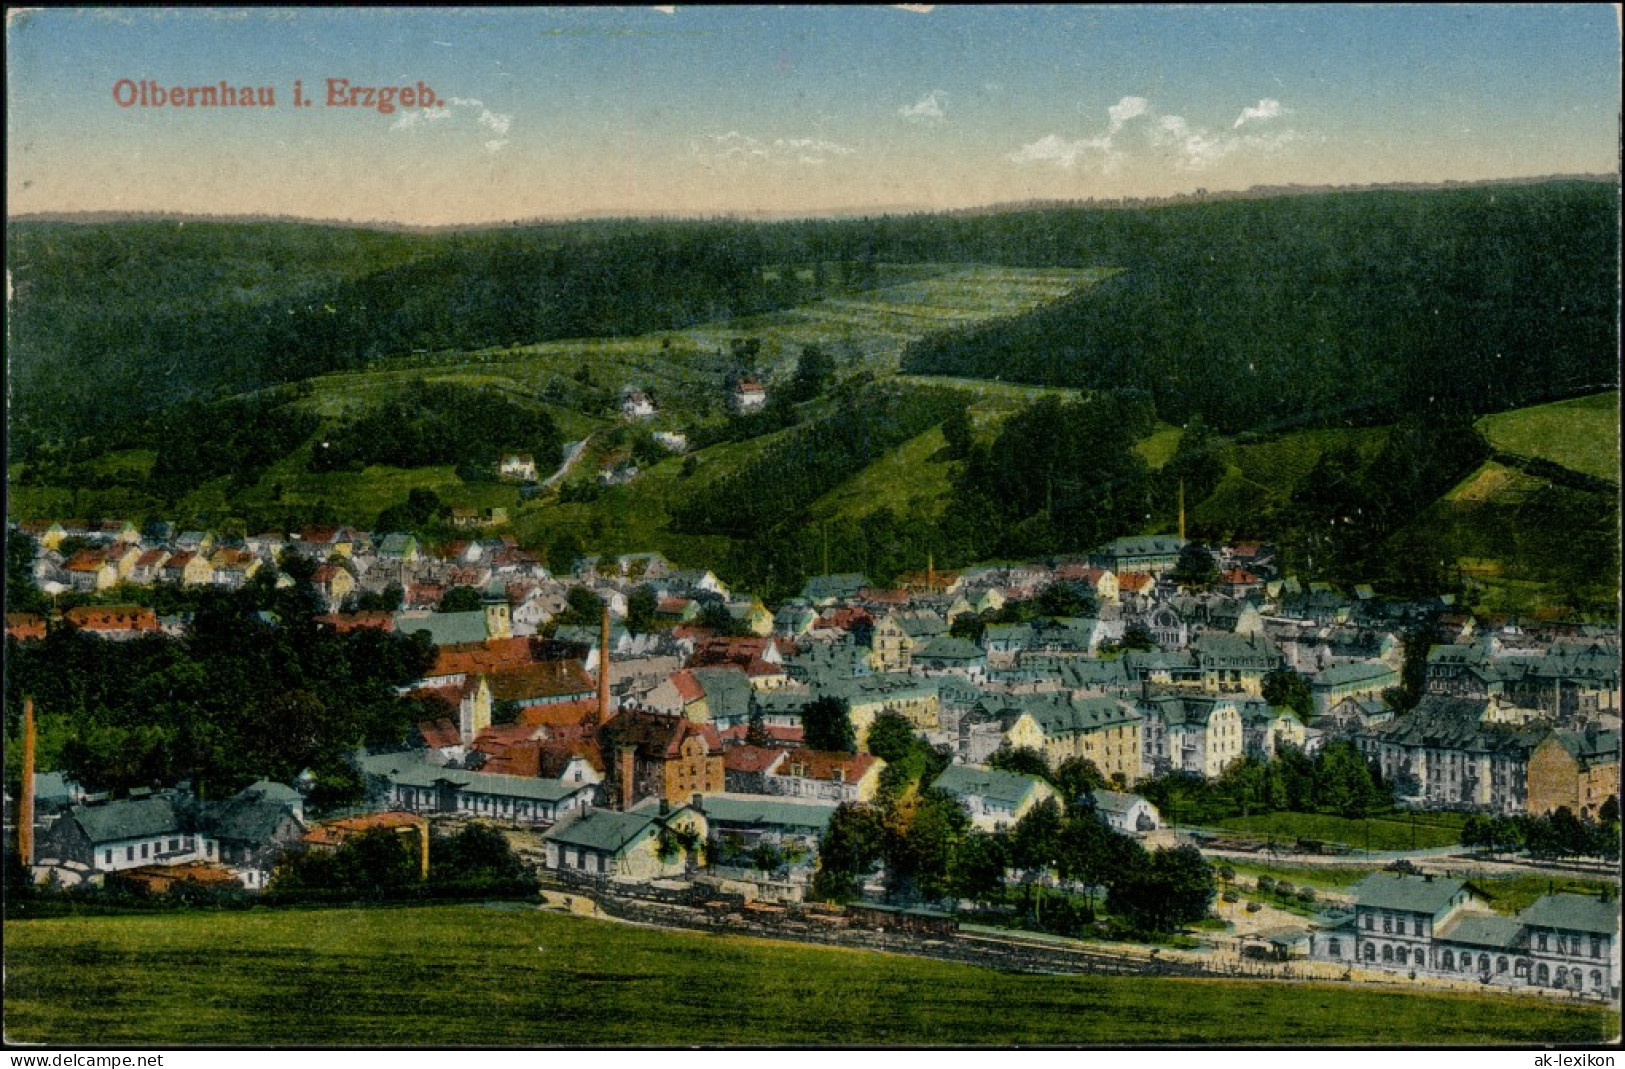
{"points": [[919, 932]]}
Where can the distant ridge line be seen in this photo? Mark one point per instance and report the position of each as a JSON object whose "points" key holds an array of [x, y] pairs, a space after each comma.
{"points": [[1200, 196]]}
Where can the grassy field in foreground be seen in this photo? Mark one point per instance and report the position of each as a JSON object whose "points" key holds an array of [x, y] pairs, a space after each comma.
{"points": [[1424, 831], [457, 975], [1581, 434]]}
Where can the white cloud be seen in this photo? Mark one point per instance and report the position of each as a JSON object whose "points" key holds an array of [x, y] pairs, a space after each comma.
{"points": [[1054, 149], [735, 147], [1264, 109], [1068, 154], [496, 122], [1126, 109], [409, 119], [929, 111], [1192, 148], [1196, 149]]}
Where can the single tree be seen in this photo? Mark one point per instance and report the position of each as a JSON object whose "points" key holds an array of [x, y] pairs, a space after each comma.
{"points": [[891, 738], [826, 724]]}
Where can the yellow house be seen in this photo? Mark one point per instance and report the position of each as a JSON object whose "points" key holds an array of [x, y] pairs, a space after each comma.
{"points": [[198, 571], [334, 582], [1231, 664], [913, 697], [891, 648], [1576, 769], [1103, 730], [993, 798], [123, 556]]}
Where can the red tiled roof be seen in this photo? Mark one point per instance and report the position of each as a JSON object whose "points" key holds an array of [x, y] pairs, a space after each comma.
{"points": [[846, 617], [822, 764], [784, 738], [482, 658], [345, 622], [450, 693], [555, 755], [322, 535], [152, 558], [546, 679], [23, 626], [440, 734], [561, 719], [112, 618], [673, 606], [334, 832], [751, 758], [499, 736], [1238, 577], [879, 596], [688, 687], [86, 560], [1134, 582]]}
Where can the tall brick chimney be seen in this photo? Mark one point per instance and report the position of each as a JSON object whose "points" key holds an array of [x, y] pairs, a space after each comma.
{"points": [[625, 765], [604, 713], [25, 805]]}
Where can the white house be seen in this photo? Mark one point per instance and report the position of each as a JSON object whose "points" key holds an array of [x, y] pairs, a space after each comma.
{"points": [[1127, 813]]}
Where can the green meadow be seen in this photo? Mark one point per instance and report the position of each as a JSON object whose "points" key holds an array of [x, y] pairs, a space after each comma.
{"points": [[1421, 831], [1581, 434], [472, 975]]}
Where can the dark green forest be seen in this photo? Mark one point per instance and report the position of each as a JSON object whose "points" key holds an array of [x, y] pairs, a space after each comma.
{"points": [[1313, 308], [1248, 312]]}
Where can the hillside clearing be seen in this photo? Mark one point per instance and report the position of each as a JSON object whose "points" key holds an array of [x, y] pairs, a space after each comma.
{"points": [[1580, 434]]}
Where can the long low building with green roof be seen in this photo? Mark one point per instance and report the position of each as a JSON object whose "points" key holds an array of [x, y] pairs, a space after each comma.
{"points": [[1424, 925]]}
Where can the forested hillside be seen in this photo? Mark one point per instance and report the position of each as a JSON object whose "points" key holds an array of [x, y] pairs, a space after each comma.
{"points": [[1254, 313]]}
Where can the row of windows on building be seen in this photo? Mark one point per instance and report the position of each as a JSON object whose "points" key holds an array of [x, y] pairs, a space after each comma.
{"points": [[1541, 973], [156, 849]]}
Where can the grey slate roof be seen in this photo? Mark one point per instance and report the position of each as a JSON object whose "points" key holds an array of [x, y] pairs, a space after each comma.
{"points": [[410, 771], [1406, 894], [1340, 675], [1059, 715], [1575, 913], [727, 692], [766, 812], [1219, 649], [135, 818], [444, 628], [1115, 801], [996, 785], [247, 818], [950, 651], [1598, 748], [604, 830], [824, 587], [1484, 930]]}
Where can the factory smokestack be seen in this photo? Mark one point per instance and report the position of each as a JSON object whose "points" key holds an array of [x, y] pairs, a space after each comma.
{"points": [[25, 807], [603, 670]]}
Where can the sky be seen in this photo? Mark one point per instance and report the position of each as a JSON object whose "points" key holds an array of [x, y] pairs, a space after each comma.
{"points": [[558, 113]]}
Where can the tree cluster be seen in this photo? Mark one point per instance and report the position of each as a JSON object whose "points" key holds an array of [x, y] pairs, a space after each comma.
{"points": [[1336, 780], [1557, 834], [924, 840], [435, 423], [240, 697]]}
